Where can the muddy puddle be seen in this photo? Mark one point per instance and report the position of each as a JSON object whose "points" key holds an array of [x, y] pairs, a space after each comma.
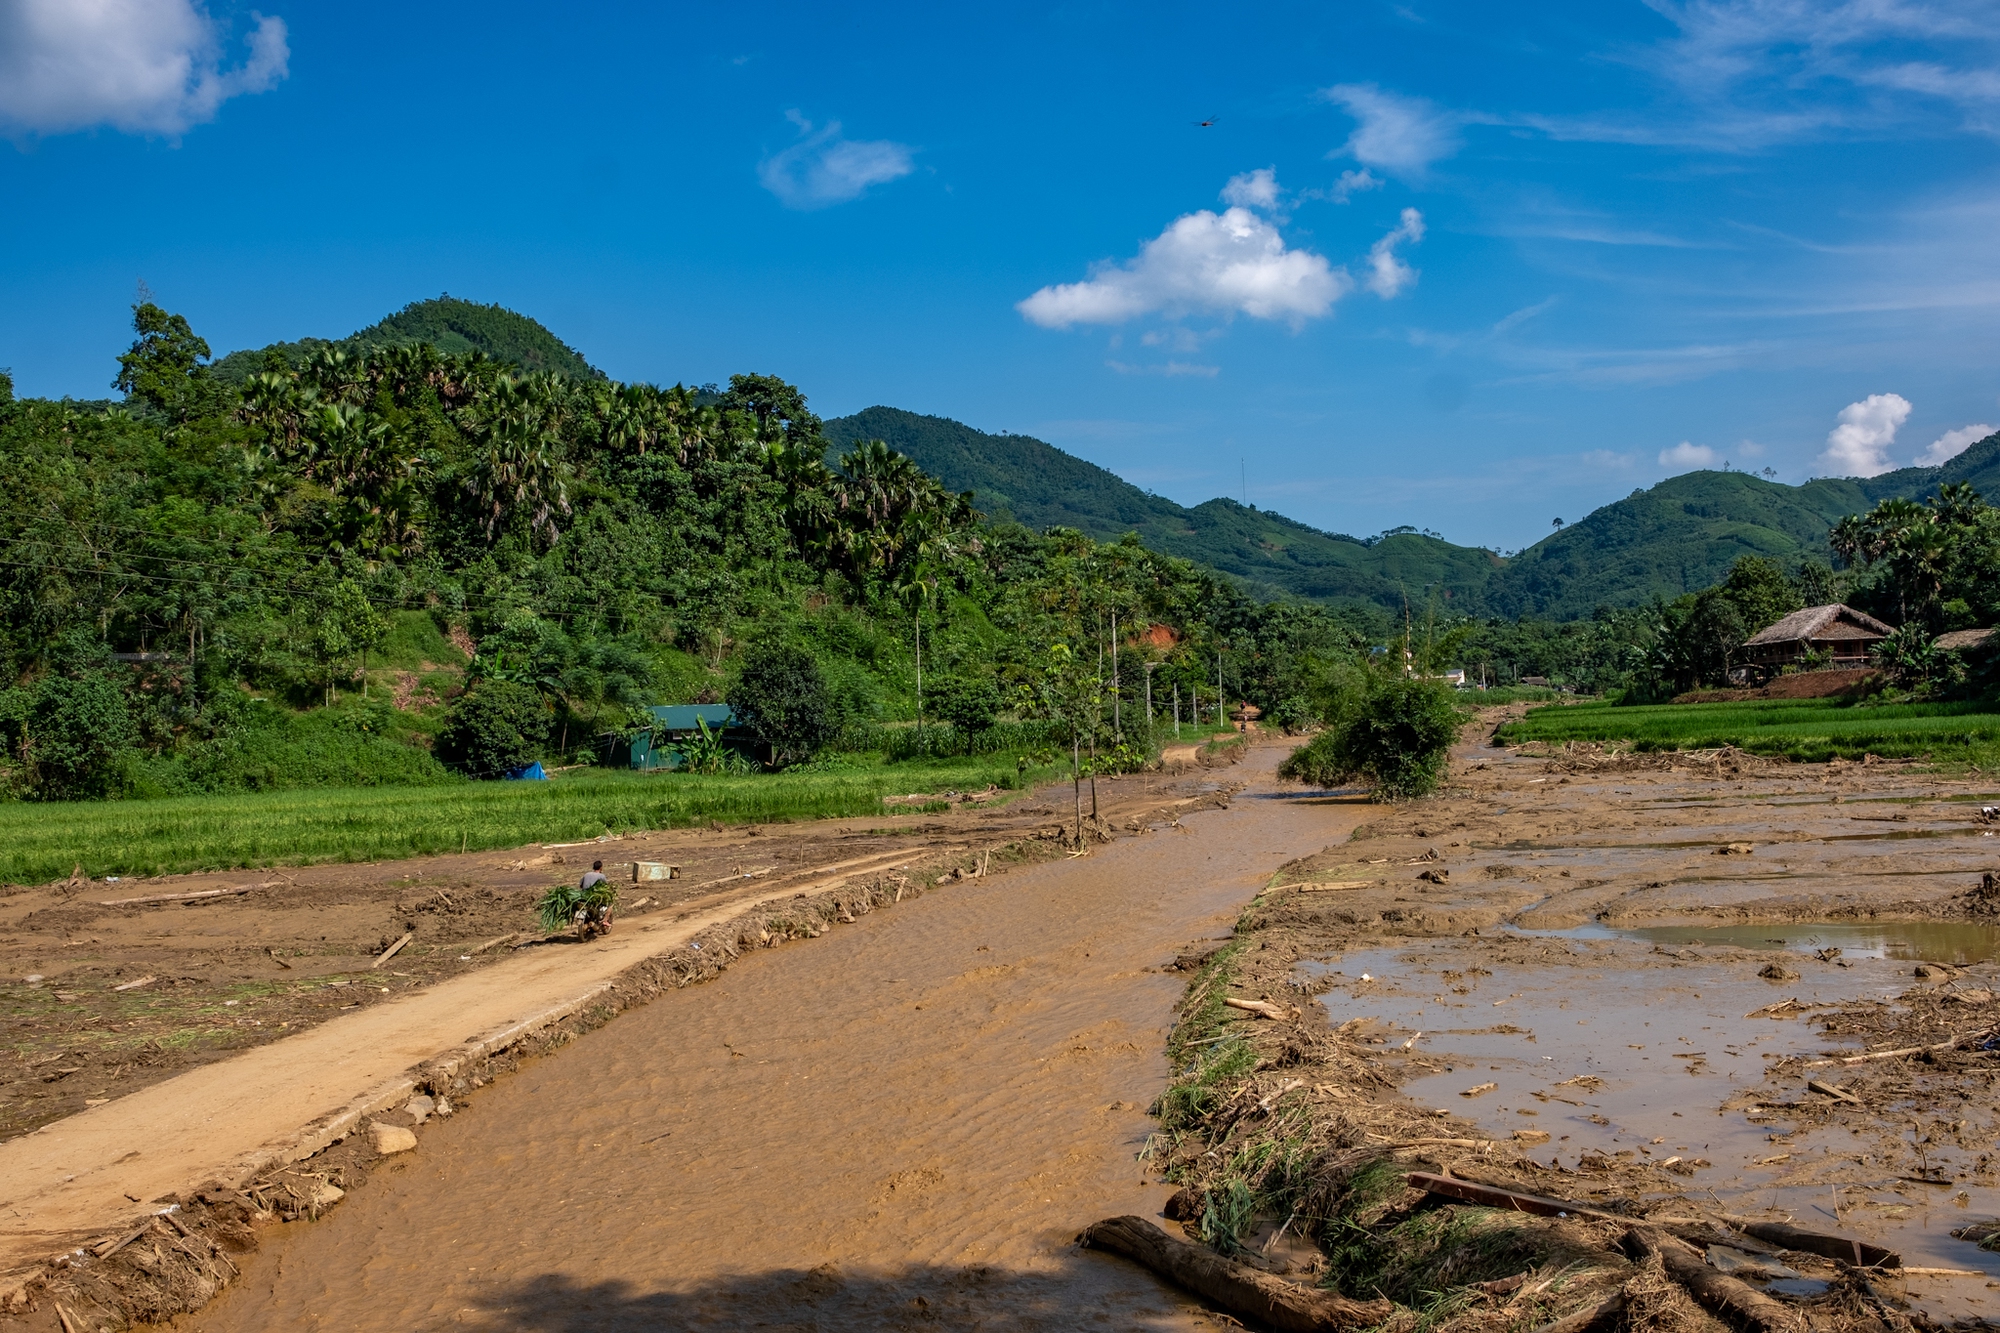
{"points": [[1586, 1038], [1960, 943], [902, 1124]]}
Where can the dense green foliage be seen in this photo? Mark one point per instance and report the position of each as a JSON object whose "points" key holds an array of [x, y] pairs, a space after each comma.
{"points": [[782, 695], [493, 729], [1808, 730], [1391, 731], [452, 326], [398, 563]]}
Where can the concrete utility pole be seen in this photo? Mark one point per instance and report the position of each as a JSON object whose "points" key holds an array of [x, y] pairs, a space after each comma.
{"points": [[1177, 710], [1117, 723], [1150, 668], [1218, 687]]}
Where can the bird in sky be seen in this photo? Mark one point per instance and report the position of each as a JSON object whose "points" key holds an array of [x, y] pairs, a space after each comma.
{"points": [[1204, 124]]}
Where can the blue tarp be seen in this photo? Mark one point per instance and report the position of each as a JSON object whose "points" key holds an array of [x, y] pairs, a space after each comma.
{"points": [[532, 773]]}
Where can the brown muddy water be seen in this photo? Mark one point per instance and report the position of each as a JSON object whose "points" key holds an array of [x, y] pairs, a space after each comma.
{"points": [[902, 1124], [1591, 1036]]}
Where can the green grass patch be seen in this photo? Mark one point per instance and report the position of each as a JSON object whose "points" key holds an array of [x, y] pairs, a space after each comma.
{"points": [[40, 842], [1807, 730]]}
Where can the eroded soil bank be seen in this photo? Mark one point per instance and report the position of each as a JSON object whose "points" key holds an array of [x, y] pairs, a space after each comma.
{"points": [[902, 1124], [1623, 981]]}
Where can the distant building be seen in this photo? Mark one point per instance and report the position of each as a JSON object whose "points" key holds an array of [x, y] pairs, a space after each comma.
{"points": [[654, 748], [1842, 633]]}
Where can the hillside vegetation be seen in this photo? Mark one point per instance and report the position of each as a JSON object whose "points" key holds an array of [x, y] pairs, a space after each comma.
{"points": [[378, 563], [452, 326], [1037, 484], [1680, 536]]}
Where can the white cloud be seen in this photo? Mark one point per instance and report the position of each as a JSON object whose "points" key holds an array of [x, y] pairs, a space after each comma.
{"points": [[1859, 445], [143, 66], [823, 168], [1230, 263], [1352, 183], [1752, 73], [1389, 275], [1170, 369], [1396, 133], [1253, 189], [1952, 443], [1685, 457]]}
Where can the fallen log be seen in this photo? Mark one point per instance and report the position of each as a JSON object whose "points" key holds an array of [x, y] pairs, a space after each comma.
{"points": [[1844, 1248], [1236, 1287], [1734, 1300], [1584, 1320], [1492, 1196]]}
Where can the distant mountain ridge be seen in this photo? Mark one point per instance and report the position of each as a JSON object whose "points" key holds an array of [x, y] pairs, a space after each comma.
{"points": [[1678, 536], [1040, 486]]}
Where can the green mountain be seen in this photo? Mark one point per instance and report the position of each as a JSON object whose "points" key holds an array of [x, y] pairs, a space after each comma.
{"points": [[452, 326], [1678, 536], [1040, 486], [1683, 534]]}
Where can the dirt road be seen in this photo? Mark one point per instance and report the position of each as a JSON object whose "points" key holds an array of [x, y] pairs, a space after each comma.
{"points": [[904, 1123]]}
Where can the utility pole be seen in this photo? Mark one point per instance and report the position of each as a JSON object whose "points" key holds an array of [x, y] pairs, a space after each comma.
{"points": [[1150, 668], [1218, 687], [1117, 720], [1177, 710]]}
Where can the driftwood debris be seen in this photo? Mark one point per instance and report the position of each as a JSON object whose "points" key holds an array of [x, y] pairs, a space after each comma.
{"points": [[1832, 1090], [392, 951], [1901, 1051], [1492, 1196], [1264, 1008], [182, 897], [1844, 1248], [1236, 1287], [1734, 1300]]}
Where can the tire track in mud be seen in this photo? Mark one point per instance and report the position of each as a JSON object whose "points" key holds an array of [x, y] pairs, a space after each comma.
{"points": [[904, 1125]]}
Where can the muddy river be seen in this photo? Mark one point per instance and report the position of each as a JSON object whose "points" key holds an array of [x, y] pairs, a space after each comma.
{"points": [[904, 1123]]}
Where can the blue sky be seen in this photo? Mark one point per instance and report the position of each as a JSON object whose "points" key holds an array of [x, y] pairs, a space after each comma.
{"points": [[1444, 264]]}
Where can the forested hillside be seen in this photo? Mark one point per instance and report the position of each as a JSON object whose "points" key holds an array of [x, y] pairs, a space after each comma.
{"points": [[1039, 485], [1680, 536], [452, 326], [378, 562]]}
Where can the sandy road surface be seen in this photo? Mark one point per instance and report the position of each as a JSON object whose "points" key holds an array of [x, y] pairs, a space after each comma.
{"points": [[902, 1124]]}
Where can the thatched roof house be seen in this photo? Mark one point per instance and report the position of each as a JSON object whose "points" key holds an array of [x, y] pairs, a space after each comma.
{"points": [[1840, 631]]}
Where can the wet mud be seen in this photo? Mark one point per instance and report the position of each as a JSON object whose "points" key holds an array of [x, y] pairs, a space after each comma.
{"points": [[1631, 981], [902, 1124]]}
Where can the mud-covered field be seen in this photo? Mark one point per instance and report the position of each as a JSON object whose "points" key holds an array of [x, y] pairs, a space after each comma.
{"points": [[111, 985], [1665, 987]]}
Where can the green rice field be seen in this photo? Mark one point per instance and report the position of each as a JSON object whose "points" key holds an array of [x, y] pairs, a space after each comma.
{"points": [[1809, 730], [41, 842]]}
